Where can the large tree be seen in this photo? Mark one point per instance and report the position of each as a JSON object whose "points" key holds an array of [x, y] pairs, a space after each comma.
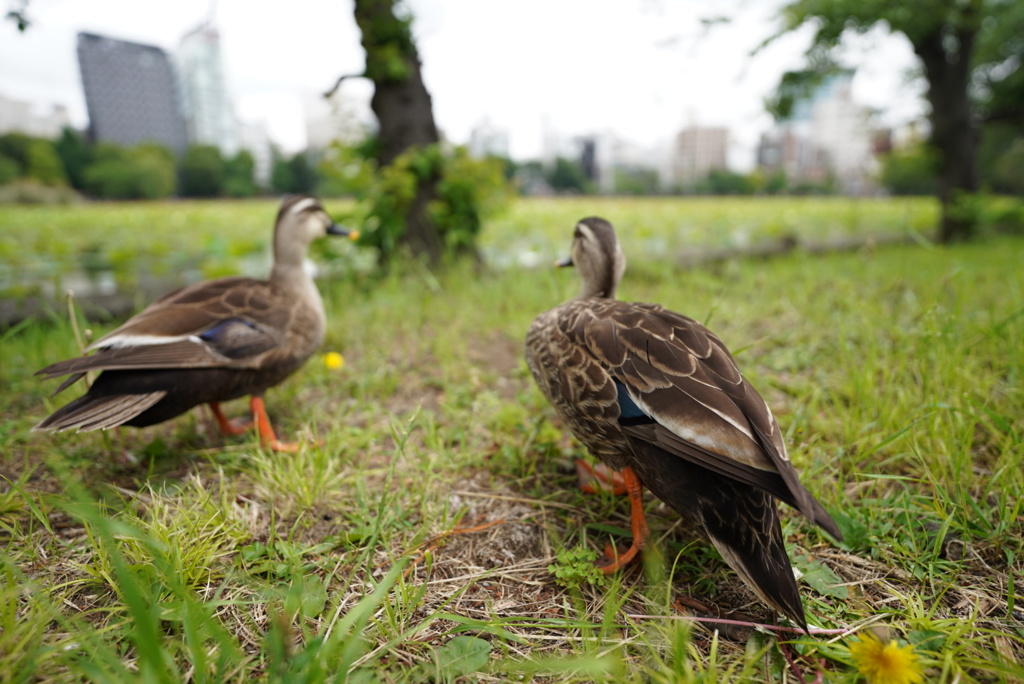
{"points": [[403, 109], [971, 56]]}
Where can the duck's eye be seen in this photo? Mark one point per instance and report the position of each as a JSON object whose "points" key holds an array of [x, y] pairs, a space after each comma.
{"points": [[577, 234]]}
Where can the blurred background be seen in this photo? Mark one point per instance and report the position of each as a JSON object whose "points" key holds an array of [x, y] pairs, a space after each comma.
{"points": [[636, 97]]}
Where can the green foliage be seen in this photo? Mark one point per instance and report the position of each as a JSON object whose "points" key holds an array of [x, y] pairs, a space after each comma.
{"points": [[972, 56], [239, 178], [725, 182], [636, 181], [1001, 158], [773, 183], [43, 164], [568, 176], [999, 74], [15, 146], [461, 656], [9, 169], [110, 178], [910, 170], [294, 174], [202, 171], [796, 86], [35, 159], [467, 191], [142, 172], [574, 568], [155, 166], [345, 170], [75, 153], [386, 30]]}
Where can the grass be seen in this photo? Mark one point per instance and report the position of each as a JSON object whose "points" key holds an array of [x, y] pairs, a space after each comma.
{"points": [[414, 542]]}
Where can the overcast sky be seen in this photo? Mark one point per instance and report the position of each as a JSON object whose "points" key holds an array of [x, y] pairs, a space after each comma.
{"points": [[639, 68]]}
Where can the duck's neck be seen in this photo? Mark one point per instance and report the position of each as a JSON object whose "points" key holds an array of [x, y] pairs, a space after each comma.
{"points": [[602, 281], [601, 275], [602, 288], [292, 278]]}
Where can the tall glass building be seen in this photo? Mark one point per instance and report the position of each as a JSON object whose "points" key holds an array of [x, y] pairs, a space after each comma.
{"points": [[131, 93]]}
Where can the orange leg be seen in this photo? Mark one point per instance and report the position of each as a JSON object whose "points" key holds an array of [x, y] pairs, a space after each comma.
{"points": [[268, 439], [588, 475], [228, 427], [614, 560]]}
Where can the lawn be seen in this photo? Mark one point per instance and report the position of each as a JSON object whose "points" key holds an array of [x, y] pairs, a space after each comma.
{"points": [[414, 542]]}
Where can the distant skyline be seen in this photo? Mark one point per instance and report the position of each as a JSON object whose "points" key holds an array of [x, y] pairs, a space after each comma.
{"points": [[641, 70]]}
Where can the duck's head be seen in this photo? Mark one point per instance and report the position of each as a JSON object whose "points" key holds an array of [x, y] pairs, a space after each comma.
{"points": [[302, 219], [598, 257]]}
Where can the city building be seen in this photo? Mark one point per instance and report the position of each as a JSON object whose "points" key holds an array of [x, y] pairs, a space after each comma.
{"points": [[698, 150], [32, 120], [254, 138], [827, 137], [205, 96], [131, 93]]}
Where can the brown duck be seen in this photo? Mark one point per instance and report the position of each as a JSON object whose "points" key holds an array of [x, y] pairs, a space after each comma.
{"points": [[657, 396], [208, 343]]}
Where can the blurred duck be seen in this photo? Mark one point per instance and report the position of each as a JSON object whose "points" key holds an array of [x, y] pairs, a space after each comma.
{"points": [[657, 397], [208, 343]]}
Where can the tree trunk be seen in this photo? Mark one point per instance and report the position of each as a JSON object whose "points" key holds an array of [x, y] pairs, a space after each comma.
{"points": [[946, 54], [403, 109]]}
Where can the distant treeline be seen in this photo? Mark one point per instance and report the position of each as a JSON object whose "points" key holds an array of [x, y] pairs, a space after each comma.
{"points": [[37, 169], [41, 170]]}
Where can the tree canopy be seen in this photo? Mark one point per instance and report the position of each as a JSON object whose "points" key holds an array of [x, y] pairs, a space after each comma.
{"points": [[970, 52]]}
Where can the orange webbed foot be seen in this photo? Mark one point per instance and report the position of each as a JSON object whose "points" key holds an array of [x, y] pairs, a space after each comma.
{"points": [[268, 439], [613, 558]]}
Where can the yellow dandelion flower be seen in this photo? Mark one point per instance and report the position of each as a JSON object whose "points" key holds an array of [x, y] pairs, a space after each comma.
{"points": [[334, 360], [885, 663]]}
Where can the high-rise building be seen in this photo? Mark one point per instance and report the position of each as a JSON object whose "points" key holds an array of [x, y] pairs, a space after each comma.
{"points": [[206, 99], [130, 93], [827, 136], [698, 150]]}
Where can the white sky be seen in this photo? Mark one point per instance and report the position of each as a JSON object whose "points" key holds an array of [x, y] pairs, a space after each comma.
{"points": [[639, 68]]}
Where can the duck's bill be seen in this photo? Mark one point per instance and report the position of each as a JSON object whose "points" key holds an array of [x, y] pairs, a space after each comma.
{"points": [[564, 263], [350, 233]]}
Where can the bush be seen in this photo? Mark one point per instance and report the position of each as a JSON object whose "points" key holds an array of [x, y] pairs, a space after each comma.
{"points": [[9, 169], [467, 190], [75, 153], [15, 146], [910, 170], [43, 164], [724, 182], [33, 158], [28, 191], [155, 166], [239, 178], [294, 175], [142, 172], [202, 172]]}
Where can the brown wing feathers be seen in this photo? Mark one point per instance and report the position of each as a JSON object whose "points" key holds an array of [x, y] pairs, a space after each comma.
{"points": [[682, 376]]}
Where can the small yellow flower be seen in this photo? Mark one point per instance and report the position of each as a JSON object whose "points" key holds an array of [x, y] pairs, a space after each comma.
{"points": [[334, 361], [885, 663]]}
